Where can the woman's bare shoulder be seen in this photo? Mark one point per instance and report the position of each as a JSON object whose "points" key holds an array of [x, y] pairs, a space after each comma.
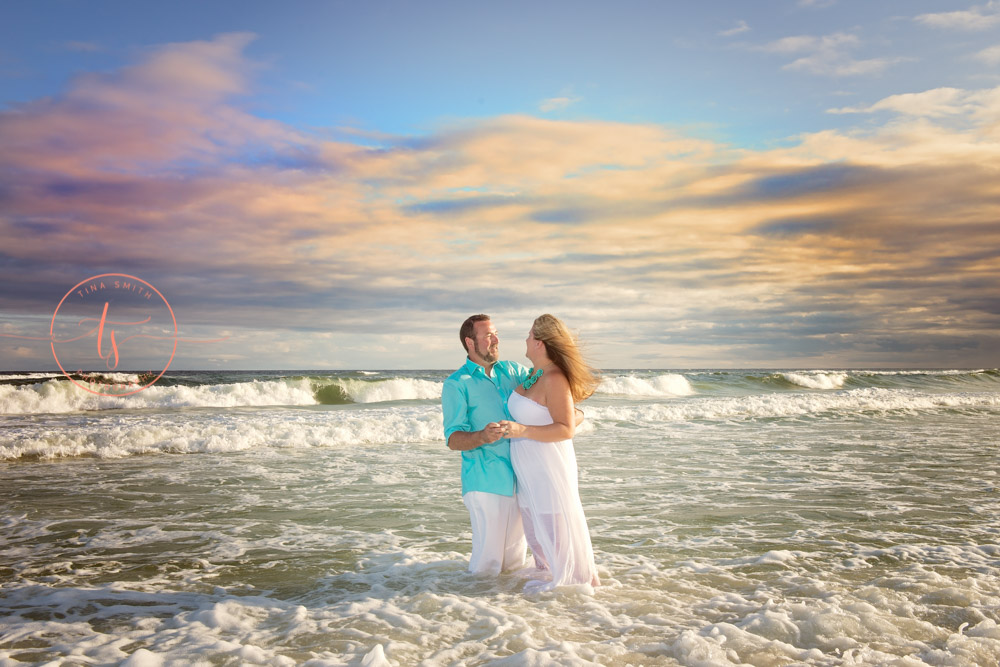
{"points": [[556, 379]]}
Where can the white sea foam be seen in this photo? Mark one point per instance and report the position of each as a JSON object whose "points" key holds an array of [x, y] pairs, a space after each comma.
{"points": [[336, 535], [407, 605], [817, 380], [133, 434], [159, 431], [932, 372], [27, 376], [671, 384], [56, 396], [792, 405]]}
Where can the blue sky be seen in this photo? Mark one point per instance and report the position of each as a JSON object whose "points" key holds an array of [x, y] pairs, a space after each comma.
{"points": [[403, 67], [334, 184]]}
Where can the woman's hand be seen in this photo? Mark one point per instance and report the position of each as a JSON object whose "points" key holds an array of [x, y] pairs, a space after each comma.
{"points": [[512, 429]]}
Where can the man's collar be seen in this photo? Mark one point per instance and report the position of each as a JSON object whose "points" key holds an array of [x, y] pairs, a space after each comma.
{"points": [[471, 366]]}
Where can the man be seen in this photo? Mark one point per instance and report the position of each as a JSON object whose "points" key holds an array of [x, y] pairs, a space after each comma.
{"points": [[473, 400]]}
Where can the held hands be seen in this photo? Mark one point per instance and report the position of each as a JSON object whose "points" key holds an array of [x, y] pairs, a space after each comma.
{"points": [[503, 429], [493, 432], [512, 429]]}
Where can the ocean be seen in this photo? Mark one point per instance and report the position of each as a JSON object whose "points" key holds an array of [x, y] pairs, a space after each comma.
{"points": [[765, 517]]}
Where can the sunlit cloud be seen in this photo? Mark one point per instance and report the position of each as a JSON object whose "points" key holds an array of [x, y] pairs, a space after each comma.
{"points": [[935, 103], [853, 246]]}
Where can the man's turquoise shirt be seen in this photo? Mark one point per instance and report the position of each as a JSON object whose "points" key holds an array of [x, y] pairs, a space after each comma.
{"points": [[470, 400]]}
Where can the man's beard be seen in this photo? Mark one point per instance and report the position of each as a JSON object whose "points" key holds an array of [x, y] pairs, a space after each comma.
{"points": [[487, 355]]}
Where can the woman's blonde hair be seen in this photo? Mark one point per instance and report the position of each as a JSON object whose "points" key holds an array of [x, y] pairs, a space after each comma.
{"points": [[562, 349]]}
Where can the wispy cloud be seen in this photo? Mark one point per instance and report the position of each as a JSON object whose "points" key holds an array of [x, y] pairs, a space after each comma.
{"points": [[828, 55], [977, 17], [937, 103], [741, 27], [660, 245], [558, 103]]}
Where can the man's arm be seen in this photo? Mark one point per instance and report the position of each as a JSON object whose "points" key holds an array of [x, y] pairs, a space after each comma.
{"points": [[457, 430], [578, 416], [466, 440]]}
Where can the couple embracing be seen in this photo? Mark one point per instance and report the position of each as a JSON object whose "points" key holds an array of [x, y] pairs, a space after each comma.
{"points": [[514, 428]]}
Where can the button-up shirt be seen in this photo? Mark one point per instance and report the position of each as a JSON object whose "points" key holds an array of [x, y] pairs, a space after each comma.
{"points": [[470, 400]]}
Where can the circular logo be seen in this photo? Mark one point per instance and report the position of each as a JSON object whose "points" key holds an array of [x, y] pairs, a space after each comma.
{"points": [[109, 325]]}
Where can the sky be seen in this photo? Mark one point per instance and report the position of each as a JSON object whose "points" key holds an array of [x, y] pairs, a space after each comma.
{"points": [[337, 185]]}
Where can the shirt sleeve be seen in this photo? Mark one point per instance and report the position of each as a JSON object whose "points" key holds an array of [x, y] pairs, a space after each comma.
{"points": [[455, 407], [518, 372]]}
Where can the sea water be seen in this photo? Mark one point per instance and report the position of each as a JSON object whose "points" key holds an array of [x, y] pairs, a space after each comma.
{"points": [[776, 517]]}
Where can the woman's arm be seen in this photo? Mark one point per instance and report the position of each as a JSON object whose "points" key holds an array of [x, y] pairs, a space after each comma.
{"points": [[559, 401]]}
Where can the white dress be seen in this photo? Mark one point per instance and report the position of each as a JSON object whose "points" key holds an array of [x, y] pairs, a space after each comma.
{"points": [[549, 497]]}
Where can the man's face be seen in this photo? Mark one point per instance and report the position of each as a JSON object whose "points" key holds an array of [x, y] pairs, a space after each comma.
{"points": [[486, 342]]}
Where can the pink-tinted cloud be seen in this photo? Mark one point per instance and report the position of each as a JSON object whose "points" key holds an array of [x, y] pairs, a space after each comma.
{"points": [[687, 248]]}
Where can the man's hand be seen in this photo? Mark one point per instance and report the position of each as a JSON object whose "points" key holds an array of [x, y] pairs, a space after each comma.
{"points": [[493, 432]]}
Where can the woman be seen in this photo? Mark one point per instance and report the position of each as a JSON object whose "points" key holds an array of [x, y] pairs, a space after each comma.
{"points": [[541, 450]]}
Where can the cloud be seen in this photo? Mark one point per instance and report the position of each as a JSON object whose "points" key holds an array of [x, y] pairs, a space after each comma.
{"points": [[171, 107], [990, 55], [828, 55], [741, 27], [558, 103], [976, 105], [800, 43], [932, 103], [661, 247], [977, 17]]}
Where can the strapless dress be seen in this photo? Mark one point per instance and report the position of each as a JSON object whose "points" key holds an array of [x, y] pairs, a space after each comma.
{"points": [[549, 498]]}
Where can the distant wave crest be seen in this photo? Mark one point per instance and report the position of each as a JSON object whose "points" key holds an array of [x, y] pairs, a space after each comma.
{"points": [[395, 389], [61, 395], [670, 384], [780, 405], [817, 380]]}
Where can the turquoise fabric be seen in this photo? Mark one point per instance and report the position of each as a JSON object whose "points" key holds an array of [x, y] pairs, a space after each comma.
{"points": [[470, 400]]}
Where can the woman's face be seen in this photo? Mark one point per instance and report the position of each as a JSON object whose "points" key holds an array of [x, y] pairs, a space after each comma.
{"points": [[530, 343]]}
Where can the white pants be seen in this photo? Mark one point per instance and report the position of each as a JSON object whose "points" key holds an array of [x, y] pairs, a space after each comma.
{"points": [[497, 536]]}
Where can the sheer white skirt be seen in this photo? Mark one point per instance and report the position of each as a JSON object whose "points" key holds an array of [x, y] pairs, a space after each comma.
{"points": [[549, 498]]}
